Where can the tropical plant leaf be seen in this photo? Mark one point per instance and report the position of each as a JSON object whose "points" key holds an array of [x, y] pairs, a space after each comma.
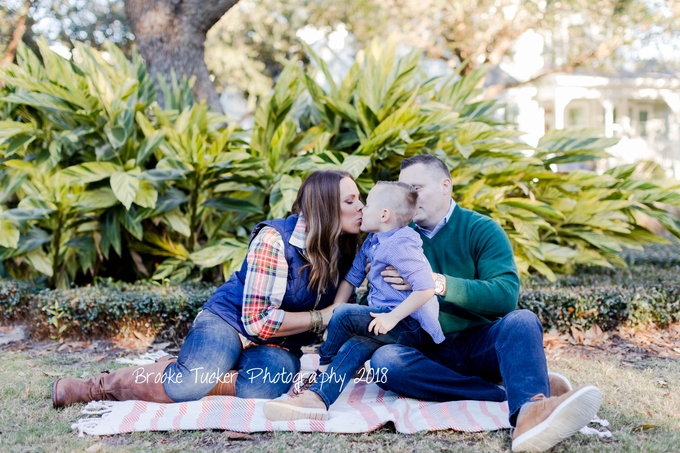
{"points": [[166, 268], [39, 261], [177, 222], [10, 129], [90, 172], [224, 251], [92, 200], [146, 195], [125, 187], [148, 146], [9, 234], [534, 206], [283, 195], [355, 165], [128, 219], [232, 204], [20, 215]]}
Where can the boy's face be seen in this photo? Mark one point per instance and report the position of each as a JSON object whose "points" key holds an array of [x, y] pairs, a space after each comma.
{"points": [[372, 213]]}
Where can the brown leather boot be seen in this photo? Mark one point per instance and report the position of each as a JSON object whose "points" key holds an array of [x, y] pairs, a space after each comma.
{"points": [[225, 386], [143, 382]]}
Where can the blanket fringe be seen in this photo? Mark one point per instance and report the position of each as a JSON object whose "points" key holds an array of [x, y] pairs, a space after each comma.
{"points": [[93, 408], [588, 431], [143, 359], [98, 407]]}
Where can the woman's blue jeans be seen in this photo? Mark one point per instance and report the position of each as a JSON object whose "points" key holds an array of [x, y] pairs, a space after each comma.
{"points": [[468, 364], [212, 348]]}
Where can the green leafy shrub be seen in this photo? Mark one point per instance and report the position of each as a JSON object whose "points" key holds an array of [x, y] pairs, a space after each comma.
{"points": [[71, 159], [88, 163]]}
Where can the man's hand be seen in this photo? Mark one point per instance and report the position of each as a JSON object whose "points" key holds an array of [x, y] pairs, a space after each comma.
{"points": [[391, 276], [383, 323]]}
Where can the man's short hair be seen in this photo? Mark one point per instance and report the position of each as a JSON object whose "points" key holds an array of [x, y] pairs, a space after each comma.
{"points": [[400, 198], [430, 161]]}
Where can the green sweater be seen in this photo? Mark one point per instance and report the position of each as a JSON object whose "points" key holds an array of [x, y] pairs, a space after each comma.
{"points": [[475, 255]]}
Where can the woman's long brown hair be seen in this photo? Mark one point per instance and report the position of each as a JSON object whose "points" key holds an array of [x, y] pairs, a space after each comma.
{"points": [[329, 251]]}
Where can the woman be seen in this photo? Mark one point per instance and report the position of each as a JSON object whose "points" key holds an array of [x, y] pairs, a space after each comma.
{"points": [[256, 323]]}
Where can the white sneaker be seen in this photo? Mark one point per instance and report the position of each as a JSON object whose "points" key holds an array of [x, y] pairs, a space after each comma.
{"points": [[305, 405], [550, 420]]}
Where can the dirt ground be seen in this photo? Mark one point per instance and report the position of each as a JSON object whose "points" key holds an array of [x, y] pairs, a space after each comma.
{"points": [[627, 344]]}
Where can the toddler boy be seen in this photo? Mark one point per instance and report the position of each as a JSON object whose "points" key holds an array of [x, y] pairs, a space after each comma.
{"points": [[392, 316]]}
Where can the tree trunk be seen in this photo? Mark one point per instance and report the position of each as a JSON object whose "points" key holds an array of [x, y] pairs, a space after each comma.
{"points": [[17, 35], [170, 34]]}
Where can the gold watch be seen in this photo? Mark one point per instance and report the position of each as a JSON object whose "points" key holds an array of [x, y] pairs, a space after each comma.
{"points": [[439, 285]]}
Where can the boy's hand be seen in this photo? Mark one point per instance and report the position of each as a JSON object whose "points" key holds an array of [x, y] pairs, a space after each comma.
{"points": [[391, 276], [383, 323]]}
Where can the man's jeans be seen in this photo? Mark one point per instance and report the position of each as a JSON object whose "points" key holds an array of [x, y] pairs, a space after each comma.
{"points": [[467, 365], [345, 349], [212, 348]]}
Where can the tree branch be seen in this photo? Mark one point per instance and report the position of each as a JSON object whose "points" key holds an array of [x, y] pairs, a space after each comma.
{"points": [[17, 35], [171, 35], [204, 15]]}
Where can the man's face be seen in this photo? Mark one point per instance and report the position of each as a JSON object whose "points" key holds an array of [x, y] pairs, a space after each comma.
{"points": [[433, 194]]}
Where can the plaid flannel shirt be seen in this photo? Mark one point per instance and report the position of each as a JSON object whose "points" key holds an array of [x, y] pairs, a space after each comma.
{"points": [[266, 279]]}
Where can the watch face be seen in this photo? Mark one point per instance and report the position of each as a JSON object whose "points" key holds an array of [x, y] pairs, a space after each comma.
{"points": [[439, 285]]}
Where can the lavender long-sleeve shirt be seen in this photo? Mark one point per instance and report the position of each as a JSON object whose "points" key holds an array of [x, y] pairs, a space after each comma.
{"points": [[401, 248]]}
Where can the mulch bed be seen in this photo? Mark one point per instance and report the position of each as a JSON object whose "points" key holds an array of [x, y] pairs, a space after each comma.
{"points": [[625, 343]]}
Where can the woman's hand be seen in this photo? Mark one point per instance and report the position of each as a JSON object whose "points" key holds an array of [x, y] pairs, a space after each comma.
{"points": [[327, 312], [391, 276]]}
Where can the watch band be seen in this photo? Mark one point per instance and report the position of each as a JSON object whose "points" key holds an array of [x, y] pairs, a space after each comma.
{"points": [[439, 285]]}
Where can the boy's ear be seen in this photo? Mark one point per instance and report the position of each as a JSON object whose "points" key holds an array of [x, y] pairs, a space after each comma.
{"points": [[385, 216]]}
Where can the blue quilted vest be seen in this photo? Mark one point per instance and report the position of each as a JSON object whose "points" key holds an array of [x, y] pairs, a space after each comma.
{"points": [[227, 301]]}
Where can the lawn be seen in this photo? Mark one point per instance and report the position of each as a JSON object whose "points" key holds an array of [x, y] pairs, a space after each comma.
{"points": [[641, 401]]}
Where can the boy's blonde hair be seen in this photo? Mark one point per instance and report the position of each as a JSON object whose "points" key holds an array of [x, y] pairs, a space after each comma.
{"points": [[400, 198]]}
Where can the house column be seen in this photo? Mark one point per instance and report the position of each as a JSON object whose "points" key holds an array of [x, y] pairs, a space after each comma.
{"points": [[673, 101], [562, 99], [608, 107]]}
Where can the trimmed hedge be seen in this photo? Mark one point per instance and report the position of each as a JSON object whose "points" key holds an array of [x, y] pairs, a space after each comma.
{"points": [[14, 299], [100, 310], [658, 255], [636, 296]]}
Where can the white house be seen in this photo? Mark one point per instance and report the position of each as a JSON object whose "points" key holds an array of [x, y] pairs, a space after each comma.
{"points": [[643, 110]]}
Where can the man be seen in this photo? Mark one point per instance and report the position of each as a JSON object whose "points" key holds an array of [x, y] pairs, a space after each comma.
{"points": [[487, 341]]}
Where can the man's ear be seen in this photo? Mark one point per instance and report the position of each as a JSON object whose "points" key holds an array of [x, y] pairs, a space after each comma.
{"points": [[446, 186], [385, 216]]}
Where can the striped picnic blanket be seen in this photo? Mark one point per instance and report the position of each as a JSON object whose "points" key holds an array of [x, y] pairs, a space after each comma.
{"points": [[362, 407]]}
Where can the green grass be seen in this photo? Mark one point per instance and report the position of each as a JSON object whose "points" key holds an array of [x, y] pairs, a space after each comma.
{"points": [[641, 401]]}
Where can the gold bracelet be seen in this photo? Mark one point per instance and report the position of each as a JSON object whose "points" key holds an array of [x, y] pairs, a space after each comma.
{"points": [[316, 325]]}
